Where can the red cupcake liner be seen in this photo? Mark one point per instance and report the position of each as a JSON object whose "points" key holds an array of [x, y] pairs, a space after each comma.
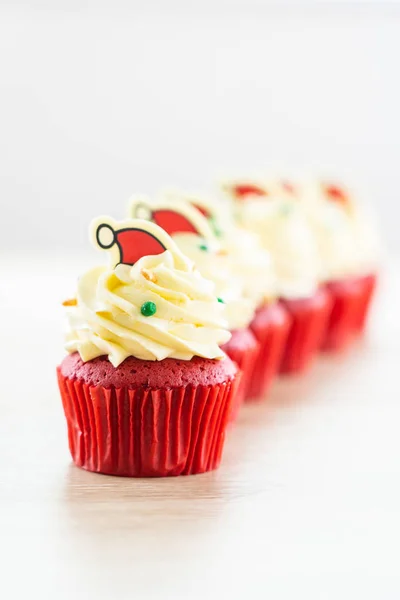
{"points": [[309, 322], [270, 327], [243, 349], [368, 283], [146, 432], [348, 312]]}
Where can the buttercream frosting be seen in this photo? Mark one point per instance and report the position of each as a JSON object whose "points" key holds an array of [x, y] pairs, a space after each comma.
{"points": [[107, 318], [202, 246], [347, 237], [244, 256], [284, 230]]}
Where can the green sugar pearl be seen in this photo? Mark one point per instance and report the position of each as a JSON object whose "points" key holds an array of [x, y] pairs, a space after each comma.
{"points": [[203, 247], [221, 300], [148, 309]]}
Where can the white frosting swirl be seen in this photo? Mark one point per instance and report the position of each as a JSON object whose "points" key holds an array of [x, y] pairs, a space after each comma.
{"points": [[347, 237], [107, 320], [216, 264], [244, 259], [336, 243], [285, 232], [252, 264]]}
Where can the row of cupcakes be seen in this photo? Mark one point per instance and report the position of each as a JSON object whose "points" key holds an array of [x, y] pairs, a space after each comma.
{"points": [[202, 304], [320, 238]]}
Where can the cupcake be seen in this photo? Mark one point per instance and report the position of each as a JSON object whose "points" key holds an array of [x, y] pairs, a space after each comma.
{"points": [[193, 235], [349, 250], [146, 389], [268, 209], [253, 264]]}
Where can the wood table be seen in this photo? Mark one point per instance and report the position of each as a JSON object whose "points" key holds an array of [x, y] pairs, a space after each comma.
{"points": [[305, 505]]}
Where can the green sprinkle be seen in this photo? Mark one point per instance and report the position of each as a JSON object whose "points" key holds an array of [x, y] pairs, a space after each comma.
{"points": [[203, 247], [220, 300], [148, 309]]}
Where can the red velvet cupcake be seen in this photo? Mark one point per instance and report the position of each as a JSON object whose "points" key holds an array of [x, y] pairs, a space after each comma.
{"points": [[258, 334], [349, 248], [270, 209], [270, 323], [146, 389], [193, 224], [146, 418]]}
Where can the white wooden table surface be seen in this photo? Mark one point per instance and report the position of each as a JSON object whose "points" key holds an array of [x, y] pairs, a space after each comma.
{"points": [[305, 505]]}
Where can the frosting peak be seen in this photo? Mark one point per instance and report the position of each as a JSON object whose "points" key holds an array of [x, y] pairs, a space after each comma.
{"points": [[285, 233], [185, 220], [108, 318], [158, 307], [347, 236], [247, 265]]}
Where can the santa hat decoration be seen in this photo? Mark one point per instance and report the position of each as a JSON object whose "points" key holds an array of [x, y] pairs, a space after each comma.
{"points": [[243, 190], [338, 195], [173, 217], [130, 240], [204, 211], [335, 193], [173, 221], [201, 204], [248, 189], [208, 213], [272, 187]]}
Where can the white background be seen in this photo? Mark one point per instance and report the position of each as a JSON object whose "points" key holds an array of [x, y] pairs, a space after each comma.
{"points": [[103, 99]]}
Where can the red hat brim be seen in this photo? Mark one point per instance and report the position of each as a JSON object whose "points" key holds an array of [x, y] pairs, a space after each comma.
{"points": [[173, 222]]}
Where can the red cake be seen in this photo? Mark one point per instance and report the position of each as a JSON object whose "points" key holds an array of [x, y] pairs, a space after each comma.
{"points": [[146, 389], [134, 373], [146, 418]]}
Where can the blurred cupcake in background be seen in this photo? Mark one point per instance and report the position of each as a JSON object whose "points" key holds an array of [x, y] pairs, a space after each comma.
{"points": [[253, 265], [349, 247], [269, 208], [146, 389], [194, 236]]}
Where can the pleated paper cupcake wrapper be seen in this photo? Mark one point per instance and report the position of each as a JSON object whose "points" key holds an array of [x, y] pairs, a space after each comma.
{"points": [[308, 327], [369, 283], [270, 327], [350, 299], [245, 359], [143, 432]]}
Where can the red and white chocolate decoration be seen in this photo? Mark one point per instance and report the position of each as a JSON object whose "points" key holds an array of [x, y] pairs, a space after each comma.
{"points": [[128, 241]]}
